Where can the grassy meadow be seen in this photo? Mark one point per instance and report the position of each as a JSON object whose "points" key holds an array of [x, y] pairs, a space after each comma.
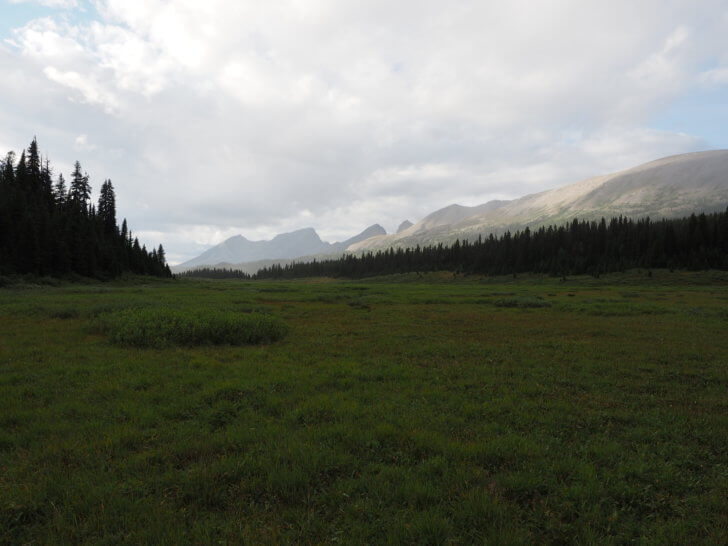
{"points": [[402, 410]]}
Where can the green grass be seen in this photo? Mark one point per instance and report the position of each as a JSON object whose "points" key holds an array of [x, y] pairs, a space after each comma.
{"points": [[401, 410], [162, 327], [523, 303]]}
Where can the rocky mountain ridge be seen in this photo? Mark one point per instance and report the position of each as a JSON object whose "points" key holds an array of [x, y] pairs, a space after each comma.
{"points": [[303, 242], [666, 188]]}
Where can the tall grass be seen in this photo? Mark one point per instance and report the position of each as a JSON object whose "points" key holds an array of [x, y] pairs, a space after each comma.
{"points": [[435, 416], [162, 328]]}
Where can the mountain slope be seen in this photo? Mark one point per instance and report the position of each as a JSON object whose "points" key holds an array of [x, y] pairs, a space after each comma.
{"points": [[453, 214], [372, 231], [670, 187]]}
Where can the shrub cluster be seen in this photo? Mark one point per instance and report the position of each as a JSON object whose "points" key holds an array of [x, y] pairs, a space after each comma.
{"points": [[161, 328], [522, 303]]}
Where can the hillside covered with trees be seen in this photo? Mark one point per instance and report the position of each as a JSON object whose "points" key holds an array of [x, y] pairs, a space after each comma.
{"points": [[50, 226], [579, 247]]}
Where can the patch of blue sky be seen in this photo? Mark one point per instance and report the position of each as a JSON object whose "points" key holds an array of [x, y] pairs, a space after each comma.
{"points": [[702, 113], [18, 14]]}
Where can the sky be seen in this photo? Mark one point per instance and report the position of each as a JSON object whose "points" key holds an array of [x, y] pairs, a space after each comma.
{"points": [[220, 118]]}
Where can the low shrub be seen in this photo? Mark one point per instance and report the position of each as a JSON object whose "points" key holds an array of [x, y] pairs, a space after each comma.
{"points": [[64, 313], [113, 308], [522, 303], [161, 328], [360, 305]]}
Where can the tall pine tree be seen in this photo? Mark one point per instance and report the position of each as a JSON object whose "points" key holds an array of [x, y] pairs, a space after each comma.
{"points": [[80, 190], [106, 210]]}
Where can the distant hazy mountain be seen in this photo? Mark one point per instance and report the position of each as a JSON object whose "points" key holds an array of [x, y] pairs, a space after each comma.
{"points": [[303, 242], [452, 215], [667, 188], [404, 225], [372, 231]]}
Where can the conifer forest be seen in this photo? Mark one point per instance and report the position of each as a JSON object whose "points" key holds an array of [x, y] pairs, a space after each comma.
{"points": [[50, 226], [578, 248]]}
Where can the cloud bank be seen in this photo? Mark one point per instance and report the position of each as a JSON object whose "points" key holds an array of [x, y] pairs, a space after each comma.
{"points": [[216, 118]]}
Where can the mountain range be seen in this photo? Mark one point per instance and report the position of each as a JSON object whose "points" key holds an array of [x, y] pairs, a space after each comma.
{"points": [[667, 188], [303, 242]]}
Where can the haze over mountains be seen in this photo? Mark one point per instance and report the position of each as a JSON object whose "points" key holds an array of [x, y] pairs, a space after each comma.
{"points": [[303, 242], [667, 188]]}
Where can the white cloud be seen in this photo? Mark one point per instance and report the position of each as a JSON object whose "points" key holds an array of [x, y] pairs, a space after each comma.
{"points": [[90, 90], [46, 40], [82, 144], [235, 117], [66, 4], [715, 76]]}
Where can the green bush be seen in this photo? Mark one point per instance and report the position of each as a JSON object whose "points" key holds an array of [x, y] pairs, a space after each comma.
{"points": [[161, 328], [64, 313], [521, 303]]}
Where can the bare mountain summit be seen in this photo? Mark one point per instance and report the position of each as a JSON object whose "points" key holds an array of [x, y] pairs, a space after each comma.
{"points": [[404, 225]]}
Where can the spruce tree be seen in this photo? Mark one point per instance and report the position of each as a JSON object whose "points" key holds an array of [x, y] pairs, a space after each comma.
{"points": [[8, 169], [80, 190], [107, 207], [33, 163], [60, 192], [21, 172]]}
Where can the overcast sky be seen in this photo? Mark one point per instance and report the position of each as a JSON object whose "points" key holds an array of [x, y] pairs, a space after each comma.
{"points": [[215, 118]]}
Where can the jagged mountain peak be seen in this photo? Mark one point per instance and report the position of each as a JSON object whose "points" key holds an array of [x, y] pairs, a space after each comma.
{"points": [[299, 235], [293, 244], [406, 224]]}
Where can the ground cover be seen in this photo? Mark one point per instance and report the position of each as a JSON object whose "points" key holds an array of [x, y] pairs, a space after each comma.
{"points": [[408, 409]]}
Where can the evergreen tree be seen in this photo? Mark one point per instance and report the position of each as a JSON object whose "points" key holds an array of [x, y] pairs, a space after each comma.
{"points": [[33, 165], [46, 179], [21, 172], [60, 192], [107, 206], [80, 190]]}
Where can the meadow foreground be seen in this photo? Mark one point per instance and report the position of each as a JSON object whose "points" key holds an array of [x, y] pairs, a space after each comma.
{"points": [[405, 409]]}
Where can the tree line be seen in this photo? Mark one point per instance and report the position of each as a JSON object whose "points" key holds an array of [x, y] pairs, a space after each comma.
{"points": [[50, 226], [215, 273], [579, 247]]}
